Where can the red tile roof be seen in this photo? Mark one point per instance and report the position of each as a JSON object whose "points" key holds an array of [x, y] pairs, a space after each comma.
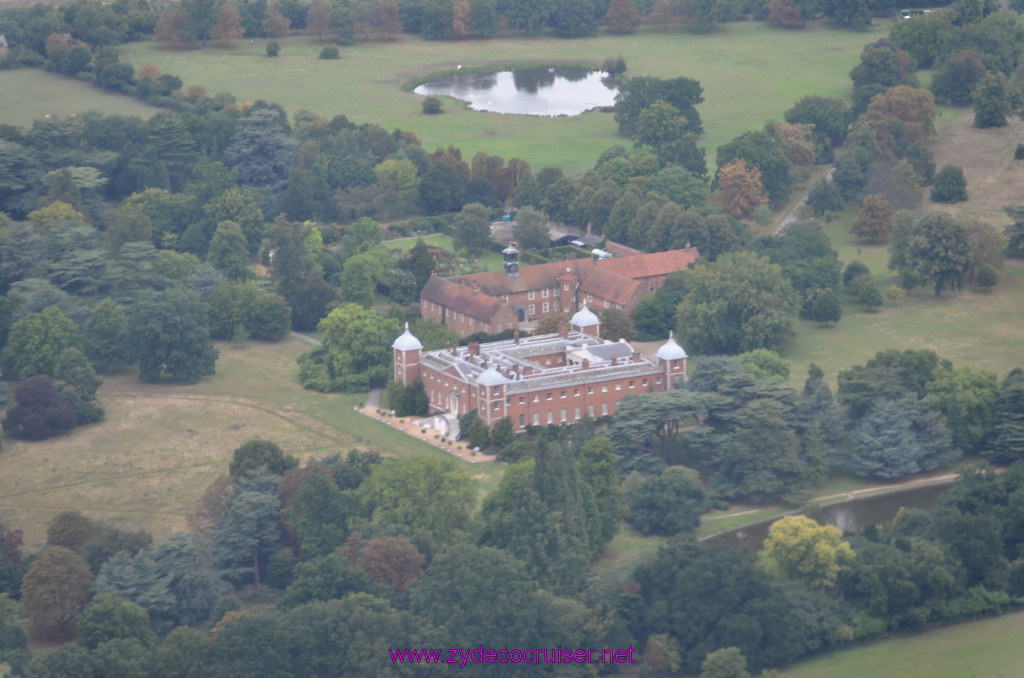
{"points": [[619, 280]]}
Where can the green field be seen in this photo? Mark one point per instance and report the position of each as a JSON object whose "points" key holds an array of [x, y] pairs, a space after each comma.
{"points": [[980, 649], [146, 466], [487, 261], [751, 73], [31, 93]]}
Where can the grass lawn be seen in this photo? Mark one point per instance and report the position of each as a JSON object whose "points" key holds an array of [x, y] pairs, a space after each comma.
{"points": [[987, 648], [31, 93], [751, 72], [487, 261], [146, 466]]}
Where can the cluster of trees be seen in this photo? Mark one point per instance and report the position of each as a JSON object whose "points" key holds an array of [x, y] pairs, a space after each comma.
{"points": [[753, 437]]}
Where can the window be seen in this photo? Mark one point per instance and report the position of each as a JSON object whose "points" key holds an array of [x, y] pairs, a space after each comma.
{"points": [[522, 420], [618, 386], [645, 382], [536, 397], [495, 407], [547, 361], [533, 309], [575, 393], [531, 295], [495, 391], [606, 304], [563, 394], [590, 390], [558, 306], [590, 411], [546, 307], [545, 292], [551, 417], [604, 409], [522, 400], [536, 419], [565, 288], [658, 380], [632, 384], [550, 395], [577, 414], [604, 388], [564, 417]]}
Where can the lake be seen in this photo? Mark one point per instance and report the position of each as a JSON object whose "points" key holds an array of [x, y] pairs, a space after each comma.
{"points": [[550, 91]]}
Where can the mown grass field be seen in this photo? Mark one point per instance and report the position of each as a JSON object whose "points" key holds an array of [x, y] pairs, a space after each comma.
{"points": [[31, 93], [751, 73], [969, 327], [988, 648], [146, 466]]}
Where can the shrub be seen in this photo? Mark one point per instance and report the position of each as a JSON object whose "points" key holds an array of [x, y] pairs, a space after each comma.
{"points": [[950, 185], [432, 106], [1018, 153], [39, 413], [273, 48], [987, 277], [329, 52]]}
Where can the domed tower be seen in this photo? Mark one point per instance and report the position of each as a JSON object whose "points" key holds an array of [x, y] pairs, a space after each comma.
{"points": [[407, 357], [511, 255], [672, 359], [586, 321]]}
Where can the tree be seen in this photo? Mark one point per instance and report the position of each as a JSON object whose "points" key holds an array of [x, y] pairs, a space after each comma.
{"points": [[76, 383], [800, 549], [432, 106], [240, 206], [826, 114], [326, 577], [671, 503], [622, 17], [768, 154], [248, 529], [261, 152], [637, 94], [821, 306], [39, 412], [391, 561], [109, 616], [957, 77], [925, 38], [319, 515], [616, 324], [739, 188], [940, 252], [574, 18], [429, 494], [899, 438], [991, 101], [727, 662], [824, 197], [874, 221], [256, 453], [1006, 441], [276, 25], [35, 343], [738, 303], [54, 592], [950, 185], [356, 350], [531, 229], [472, 228], [659, 124], [318, 18], [229, 24], [229, 251], [167, 333]]}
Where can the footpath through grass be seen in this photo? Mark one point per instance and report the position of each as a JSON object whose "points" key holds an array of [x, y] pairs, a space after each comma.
{"points": [[751, 73]]}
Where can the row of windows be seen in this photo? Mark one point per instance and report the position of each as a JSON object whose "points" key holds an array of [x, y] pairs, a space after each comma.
{"points": [[564, 418], [550, 395]]}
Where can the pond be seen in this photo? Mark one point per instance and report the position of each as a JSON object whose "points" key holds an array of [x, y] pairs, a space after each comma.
{"points": [[551, 91], [848, 515]]}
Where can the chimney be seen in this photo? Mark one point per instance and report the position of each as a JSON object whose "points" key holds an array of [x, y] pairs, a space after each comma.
{"points": [[474, 348], [515, 336], [563, 330], [586, 364], [636, 356], [614, 360]]}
